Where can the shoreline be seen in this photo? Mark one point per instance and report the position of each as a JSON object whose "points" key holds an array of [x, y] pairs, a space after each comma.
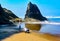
{"points": [[33, 35]]}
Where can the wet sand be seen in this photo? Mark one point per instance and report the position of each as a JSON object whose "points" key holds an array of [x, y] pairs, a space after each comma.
{"points": [[33, 36]]}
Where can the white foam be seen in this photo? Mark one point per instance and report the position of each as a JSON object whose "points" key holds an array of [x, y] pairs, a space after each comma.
{"points": [[44, 22], [52, 16]]}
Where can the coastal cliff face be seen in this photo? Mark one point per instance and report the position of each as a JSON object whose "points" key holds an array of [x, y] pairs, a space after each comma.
{"points": [[6, 16], [33, 14]]}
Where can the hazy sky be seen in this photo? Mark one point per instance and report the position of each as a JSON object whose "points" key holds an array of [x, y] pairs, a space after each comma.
{"points": [[47, 7]]}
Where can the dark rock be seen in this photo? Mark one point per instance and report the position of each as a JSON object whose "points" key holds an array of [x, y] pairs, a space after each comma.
{"points": [[6, 15], [34, 12]]}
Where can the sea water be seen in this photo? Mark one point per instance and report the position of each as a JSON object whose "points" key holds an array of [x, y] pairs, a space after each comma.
{"points": [[51, 28], [46, 28]]}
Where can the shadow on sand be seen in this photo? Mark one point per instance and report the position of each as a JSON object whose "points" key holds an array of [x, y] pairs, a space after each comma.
{"points": [[4, 35]]}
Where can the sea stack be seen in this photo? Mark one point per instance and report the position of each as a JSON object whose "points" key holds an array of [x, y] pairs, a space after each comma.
{"points": [[33, 14]]}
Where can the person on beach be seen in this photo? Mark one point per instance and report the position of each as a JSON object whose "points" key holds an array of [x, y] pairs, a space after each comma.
{"points": [[26, 30], [22, 28]]}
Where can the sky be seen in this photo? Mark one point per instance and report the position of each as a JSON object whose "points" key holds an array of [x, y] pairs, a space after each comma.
{"points": [[46, 7]]}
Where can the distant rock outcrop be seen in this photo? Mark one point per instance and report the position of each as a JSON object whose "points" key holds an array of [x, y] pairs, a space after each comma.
{"points": [[6, 15], [33, 15], [34, 12]]}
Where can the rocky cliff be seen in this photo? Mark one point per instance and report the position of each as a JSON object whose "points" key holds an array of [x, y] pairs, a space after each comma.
{"points": [[34, 12], [6, 15]]}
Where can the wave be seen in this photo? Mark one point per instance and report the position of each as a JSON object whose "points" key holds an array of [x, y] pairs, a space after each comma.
{"points": [[43, 22], [52, 16]]}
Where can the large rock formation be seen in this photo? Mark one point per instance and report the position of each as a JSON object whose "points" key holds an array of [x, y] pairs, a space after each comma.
{"points": [[33, 15], [34, 12], [6, 15]]}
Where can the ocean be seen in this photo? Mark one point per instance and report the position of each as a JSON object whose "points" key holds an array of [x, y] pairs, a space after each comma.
{"points": [[6, 31], [51, 28]]}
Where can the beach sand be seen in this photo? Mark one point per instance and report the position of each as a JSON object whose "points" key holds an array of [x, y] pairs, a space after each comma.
{"points": [[33, 36]]}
